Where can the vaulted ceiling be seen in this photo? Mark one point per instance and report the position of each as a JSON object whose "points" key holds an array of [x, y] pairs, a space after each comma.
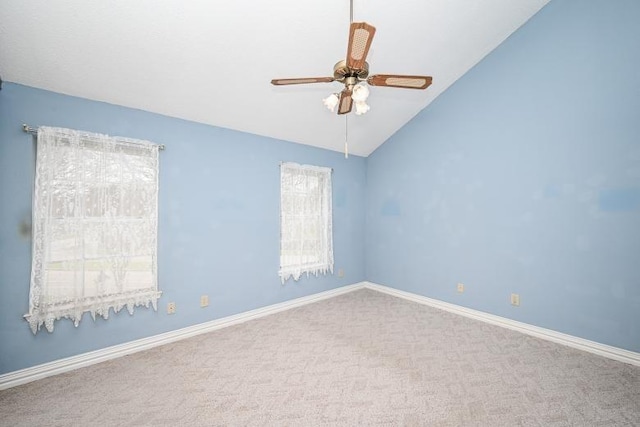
{"points": [[211, 61]]}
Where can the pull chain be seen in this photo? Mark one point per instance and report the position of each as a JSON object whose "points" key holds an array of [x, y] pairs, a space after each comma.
{"points": [[346, 136]]}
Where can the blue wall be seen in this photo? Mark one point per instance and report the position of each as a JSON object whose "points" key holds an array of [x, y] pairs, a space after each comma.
{"points": [[218, 225], [524, 177]]}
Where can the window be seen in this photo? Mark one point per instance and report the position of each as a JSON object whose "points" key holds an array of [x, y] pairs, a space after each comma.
{"points": [[94, 226], [306, 241]]}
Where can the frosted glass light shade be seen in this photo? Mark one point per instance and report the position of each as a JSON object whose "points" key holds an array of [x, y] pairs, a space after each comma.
{"points": [[331, 102], [361, 107], [360, 93]]}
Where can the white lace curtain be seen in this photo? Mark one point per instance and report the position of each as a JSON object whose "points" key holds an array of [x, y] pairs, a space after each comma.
{"points": [[95, 215], [306, 236]]}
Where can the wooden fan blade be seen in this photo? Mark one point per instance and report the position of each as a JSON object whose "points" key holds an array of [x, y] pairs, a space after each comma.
{"points": [[282, 82], [346, 102], [394, 80], [360, 37]]}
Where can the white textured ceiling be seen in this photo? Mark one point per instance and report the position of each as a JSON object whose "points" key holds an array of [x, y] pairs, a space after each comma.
{"points": [[211, 61]]}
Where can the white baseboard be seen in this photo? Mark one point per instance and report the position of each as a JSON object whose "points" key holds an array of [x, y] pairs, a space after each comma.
{"points": [[610, 352], [34, 373]]}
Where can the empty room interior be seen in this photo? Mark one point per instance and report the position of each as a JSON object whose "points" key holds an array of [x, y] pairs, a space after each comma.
{"points": [[320, 213]]}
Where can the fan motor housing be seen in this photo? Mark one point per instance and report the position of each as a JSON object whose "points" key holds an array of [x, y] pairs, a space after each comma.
{"points": [[341, 71]]}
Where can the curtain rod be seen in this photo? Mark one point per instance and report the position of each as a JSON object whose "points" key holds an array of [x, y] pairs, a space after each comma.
{"points": [[281, 163], [34, 131]]}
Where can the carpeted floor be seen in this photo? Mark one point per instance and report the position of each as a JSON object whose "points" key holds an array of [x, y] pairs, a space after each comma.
{"points": [[362, 358]]}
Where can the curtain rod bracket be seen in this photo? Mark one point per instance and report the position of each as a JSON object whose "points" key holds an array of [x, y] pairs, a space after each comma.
{"points": [[26, 128]]}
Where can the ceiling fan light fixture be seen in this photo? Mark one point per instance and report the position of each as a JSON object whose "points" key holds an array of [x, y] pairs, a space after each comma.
{"points": [[331, 102], [353, 73], [361, 107], [360, 92]]}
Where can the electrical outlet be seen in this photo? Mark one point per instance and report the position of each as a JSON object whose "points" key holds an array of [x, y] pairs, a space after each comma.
{"points": [[341, 272], [461, 287], [204, 300], [515, 299], [171, 308]]}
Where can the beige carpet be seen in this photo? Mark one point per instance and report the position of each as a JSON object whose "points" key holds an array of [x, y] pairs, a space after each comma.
{"points": [[363, 358]]}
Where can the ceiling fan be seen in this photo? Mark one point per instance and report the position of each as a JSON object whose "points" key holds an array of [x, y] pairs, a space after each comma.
{"points": [[354, 70]]}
